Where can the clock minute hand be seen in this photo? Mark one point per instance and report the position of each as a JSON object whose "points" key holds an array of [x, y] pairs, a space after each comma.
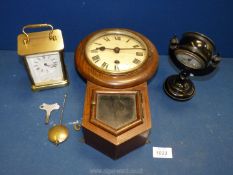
{"points": [[117, 49], [131, 48], [102, 48]]}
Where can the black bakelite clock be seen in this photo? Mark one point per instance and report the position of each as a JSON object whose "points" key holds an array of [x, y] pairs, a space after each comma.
{"points": [[193, 54]]}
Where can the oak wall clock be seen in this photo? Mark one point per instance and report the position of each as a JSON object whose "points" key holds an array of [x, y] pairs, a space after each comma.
{"points": [[117, 64]]}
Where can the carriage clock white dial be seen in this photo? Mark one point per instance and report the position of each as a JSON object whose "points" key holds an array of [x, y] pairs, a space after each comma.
{"points": [[45, 67], [116, 52]]}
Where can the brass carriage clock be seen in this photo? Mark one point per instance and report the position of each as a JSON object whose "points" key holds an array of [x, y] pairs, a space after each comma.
{"points": [[43, 56], [117, 64]]}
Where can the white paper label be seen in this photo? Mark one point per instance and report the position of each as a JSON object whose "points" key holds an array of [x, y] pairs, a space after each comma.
{"points": [[162, 152]]}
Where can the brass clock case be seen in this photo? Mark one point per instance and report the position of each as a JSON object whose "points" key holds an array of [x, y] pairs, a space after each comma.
{"points": [[38, 45]]}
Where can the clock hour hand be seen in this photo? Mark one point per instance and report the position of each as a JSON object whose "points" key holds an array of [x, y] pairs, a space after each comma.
{"points": [[50, 65], [102, 48]]}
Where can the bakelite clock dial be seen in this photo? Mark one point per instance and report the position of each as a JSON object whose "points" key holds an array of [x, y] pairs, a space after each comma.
{"points": [[189, 60], [117, 64]]}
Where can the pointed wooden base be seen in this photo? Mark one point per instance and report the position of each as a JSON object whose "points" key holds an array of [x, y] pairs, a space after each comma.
{"points": [[116, 140]]}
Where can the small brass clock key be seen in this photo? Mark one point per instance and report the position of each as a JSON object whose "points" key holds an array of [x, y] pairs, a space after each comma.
{"points": [[48, 109]]}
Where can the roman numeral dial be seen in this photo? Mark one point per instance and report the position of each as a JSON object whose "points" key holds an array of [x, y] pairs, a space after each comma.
{"points": [[116, 51], [104, 65], [96, 58]]}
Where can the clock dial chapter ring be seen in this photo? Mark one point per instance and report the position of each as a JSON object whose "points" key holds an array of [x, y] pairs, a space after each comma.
{"points": [[116, 51], [117, 80]]}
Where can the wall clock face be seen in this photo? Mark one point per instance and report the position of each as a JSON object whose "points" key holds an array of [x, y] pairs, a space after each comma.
{"points": [[116, 51]]}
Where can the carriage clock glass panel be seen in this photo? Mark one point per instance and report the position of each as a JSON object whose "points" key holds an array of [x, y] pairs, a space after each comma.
{"points": [[45, 67], [118, 52]]}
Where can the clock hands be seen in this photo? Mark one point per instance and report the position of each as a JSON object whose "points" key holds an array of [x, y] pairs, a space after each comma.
{"points": [[116, 49], [132, 48], [50, 65]]}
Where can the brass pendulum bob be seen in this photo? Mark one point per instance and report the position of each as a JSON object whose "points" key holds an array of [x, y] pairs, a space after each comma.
{"points": [[59, 133]]}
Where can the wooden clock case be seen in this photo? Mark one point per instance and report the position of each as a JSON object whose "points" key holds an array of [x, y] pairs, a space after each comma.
{"points": [[116, 140]]}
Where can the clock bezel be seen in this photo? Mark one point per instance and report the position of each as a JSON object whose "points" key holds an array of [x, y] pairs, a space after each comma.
{"points": [[128, 79]]}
